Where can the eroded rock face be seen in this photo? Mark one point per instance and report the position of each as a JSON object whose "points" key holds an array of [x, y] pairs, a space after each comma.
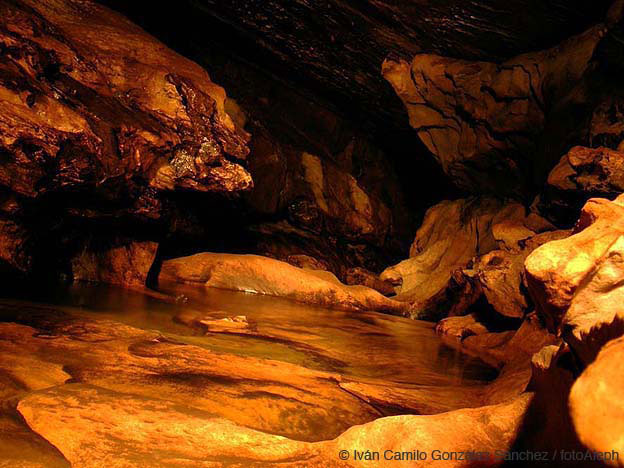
{"points": [[323, 186], [336, 47], [500, 274], [262, 275], [103, 126], [442, 276], [576, 282], [484, 120], [596, 403], [80, 107]]}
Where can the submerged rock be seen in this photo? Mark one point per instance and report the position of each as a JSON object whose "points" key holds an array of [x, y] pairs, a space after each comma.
{"points": [[262, 275]]}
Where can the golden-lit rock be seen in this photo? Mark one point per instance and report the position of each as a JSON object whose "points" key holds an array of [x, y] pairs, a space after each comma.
{"points": [[596, 404], [483, 120], [576, 281], [500, 274], [92, 426], [287, 399], [84, 87], [453, 233], [262, 275], [487, 429], [460, 327]]}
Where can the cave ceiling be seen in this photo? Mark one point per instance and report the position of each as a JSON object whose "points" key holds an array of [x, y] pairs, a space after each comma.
{"points": [[333, 49]]}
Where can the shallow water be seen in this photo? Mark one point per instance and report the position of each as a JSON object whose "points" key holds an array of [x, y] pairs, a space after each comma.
{"points": [[356, 344], [286, 368]]}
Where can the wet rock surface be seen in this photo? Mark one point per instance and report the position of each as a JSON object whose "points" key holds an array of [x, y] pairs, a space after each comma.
{"points": [[263, 275]]}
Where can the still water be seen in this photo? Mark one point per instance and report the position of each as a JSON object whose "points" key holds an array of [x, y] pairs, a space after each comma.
{"points": [[357, 344], [261, 362]]}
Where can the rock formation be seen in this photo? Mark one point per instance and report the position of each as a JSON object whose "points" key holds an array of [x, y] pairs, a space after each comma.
{"points": [[581, 174], [482, 120], [596, 403], [282, 343], [102, 126], [575, 281], [262, 275], [465, 248], [121, 262]]}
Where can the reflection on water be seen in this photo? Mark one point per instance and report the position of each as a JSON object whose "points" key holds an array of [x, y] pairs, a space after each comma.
{"points": [[354, 344]]}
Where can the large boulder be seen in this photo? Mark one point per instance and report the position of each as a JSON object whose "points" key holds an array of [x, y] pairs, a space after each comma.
{"points": [[576, 281], [263, 275], [597, 405], [500, 275]]}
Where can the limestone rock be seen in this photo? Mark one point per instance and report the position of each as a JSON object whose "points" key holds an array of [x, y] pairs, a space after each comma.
{"points": [[290, 400], [453, 233], [156, 432], [314, 198], [596, 404], [594, 171], [581, 174], [262, 275], [500, 274], [483, 120], [82, 109], [120, 261], [490, 428], [460, 327], [119, 429], [337, 46], [357, 275], [576, 281]]}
